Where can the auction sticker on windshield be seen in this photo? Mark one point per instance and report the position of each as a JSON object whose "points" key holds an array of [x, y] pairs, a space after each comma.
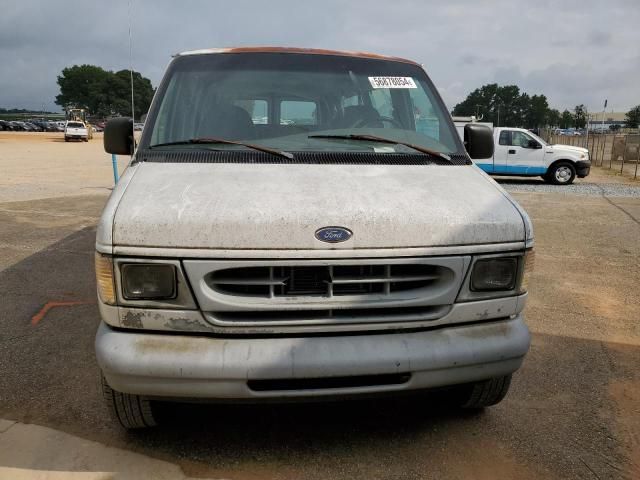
{"points": [[392, 82]]}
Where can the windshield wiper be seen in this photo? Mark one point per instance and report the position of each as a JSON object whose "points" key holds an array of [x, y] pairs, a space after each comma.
{"points": [[212, 140], [374, 138]]}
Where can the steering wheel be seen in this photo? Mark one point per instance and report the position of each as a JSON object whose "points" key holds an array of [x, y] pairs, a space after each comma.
{"points": [[368, 122]]}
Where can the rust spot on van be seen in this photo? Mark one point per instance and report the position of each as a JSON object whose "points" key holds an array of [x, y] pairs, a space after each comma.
{"points": [[132, 320], [165, 344], [185, 324]]}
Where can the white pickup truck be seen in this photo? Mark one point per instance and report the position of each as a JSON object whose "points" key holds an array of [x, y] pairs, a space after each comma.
{"points": [[288, 228], [521, 152], [76, 130]]}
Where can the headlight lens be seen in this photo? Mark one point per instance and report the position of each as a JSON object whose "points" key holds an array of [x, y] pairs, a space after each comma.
{"points": [[148, 281], [104, 279], [492, 274]]}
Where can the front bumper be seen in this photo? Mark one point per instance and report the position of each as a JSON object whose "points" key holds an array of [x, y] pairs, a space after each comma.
{"points": [[582, 169], [202, 367]]}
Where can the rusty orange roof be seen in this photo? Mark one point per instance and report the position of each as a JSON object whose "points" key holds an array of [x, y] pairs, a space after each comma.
{"points": [[311, 51]]}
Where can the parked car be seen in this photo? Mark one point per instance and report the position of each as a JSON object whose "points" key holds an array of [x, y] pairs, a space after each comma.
{"points": [[26, 126], [5, 125], [521, 152], [349, 253], [76, 130], [35, 126]]}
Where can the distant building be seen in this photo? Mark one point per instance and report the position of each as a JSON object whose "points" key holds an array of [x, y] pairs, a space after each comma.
{"points": [[610, 118]]}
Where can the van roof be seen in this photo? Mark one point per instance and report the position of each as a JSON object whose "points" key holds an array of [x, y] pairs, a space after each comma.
{"points": [[308, 51]]}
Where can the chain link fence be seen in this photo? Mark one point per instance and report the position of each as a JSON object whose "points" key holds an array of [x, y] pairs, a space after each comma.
{"points": [[606, 150]]}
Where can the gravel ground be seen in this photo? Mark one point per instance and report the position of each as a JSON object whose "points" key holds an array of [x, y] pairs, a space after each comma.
{"points": [[582, 188]]}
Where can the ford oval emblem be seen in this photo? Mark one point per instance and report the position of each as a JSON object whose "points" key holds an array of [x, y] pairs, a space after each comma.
{"points": [[333, 234]]}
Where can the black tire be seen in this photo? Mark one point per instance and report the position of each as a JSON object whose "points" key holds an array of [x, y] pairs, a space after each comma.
{"points": [[131, 411], [66, 139], [486, 393], [562, 173]]}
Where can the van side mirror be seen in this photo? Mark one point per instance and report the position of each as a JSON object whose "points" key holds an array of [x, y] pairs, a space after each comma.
{"points": [[478, 140], [118, 136]]}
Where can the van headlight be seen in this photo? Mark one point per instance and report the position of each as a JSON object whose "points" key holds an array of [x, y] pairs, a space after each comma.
{"points": [[148, 281], [497, 275], [491, 274]]}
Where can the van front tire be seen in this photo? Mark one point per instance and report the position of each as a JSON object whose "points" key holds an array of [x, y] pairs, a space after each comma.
{"points": [[486, 393], [131, 411]]}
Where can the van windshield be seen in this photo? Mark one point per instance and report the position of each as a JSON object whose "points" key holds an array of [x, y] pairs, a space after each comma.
{"points": [[296, 102]]}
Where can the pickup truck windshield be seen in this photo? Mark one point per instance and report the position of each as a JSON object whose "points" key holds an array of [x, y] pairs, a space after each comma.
{"points": [[298, 102]]}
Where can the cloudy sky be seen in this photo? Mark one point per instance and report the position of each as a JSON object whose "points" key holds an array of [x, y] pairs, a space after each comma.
{"points": [[573, 51]]}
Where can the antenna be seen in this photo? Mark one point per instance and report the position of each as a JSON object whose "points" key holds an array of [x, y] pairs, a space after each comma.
{"points": [[133, 116]]}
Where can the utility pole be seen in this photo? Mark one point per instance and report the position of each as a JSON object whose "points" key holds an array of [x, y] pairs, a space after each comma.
{"points": [[588, 121]]}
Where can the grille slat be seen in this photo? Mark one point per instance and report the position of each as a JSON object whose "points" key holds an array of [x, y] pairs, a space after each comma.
{"points": [[252, 281], [415, 278]]}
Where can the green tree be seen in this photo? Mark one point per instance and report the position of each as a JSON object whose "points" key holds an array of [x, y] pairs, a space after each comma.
{"points": [[81, 86], [566, 119], [580, 116], [632, 118], [538, 113], [505, 105], [553, 117], [103, 92]]}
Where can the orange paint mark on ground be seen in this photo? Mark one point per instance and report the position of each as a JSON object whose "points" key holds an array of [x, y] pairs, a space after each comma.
{"points": [[49, 305]]}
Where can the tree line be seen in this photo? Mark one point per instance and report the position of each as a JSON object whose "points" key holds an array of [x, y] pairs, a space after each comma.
{"points": [[103, 92], [507, 105]]}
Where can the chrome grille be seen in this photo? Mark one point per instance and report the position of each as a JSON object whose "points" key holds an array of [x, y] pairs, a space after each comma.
{"points": [[323, 295], [323, 280]]}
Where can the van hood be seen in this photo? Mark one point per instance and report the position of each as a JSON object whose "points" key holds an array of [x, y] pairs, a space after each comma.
{"points": [[276, 206]]}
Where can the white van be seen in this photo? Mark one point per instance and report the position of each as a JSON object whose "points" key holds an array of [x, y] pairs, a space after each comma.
{"points": [[289, 228]]}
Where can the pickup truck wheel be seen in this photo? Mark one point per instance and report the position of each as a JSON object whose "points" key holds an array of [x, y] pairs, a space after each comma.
{"points": [[486, 393], [131, 411], [562, 174]]}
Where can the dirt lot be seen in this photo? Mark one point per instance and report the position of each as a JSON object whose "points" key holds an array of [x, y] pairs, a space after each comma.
{"points": [[573, 411], [43, 165]]}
